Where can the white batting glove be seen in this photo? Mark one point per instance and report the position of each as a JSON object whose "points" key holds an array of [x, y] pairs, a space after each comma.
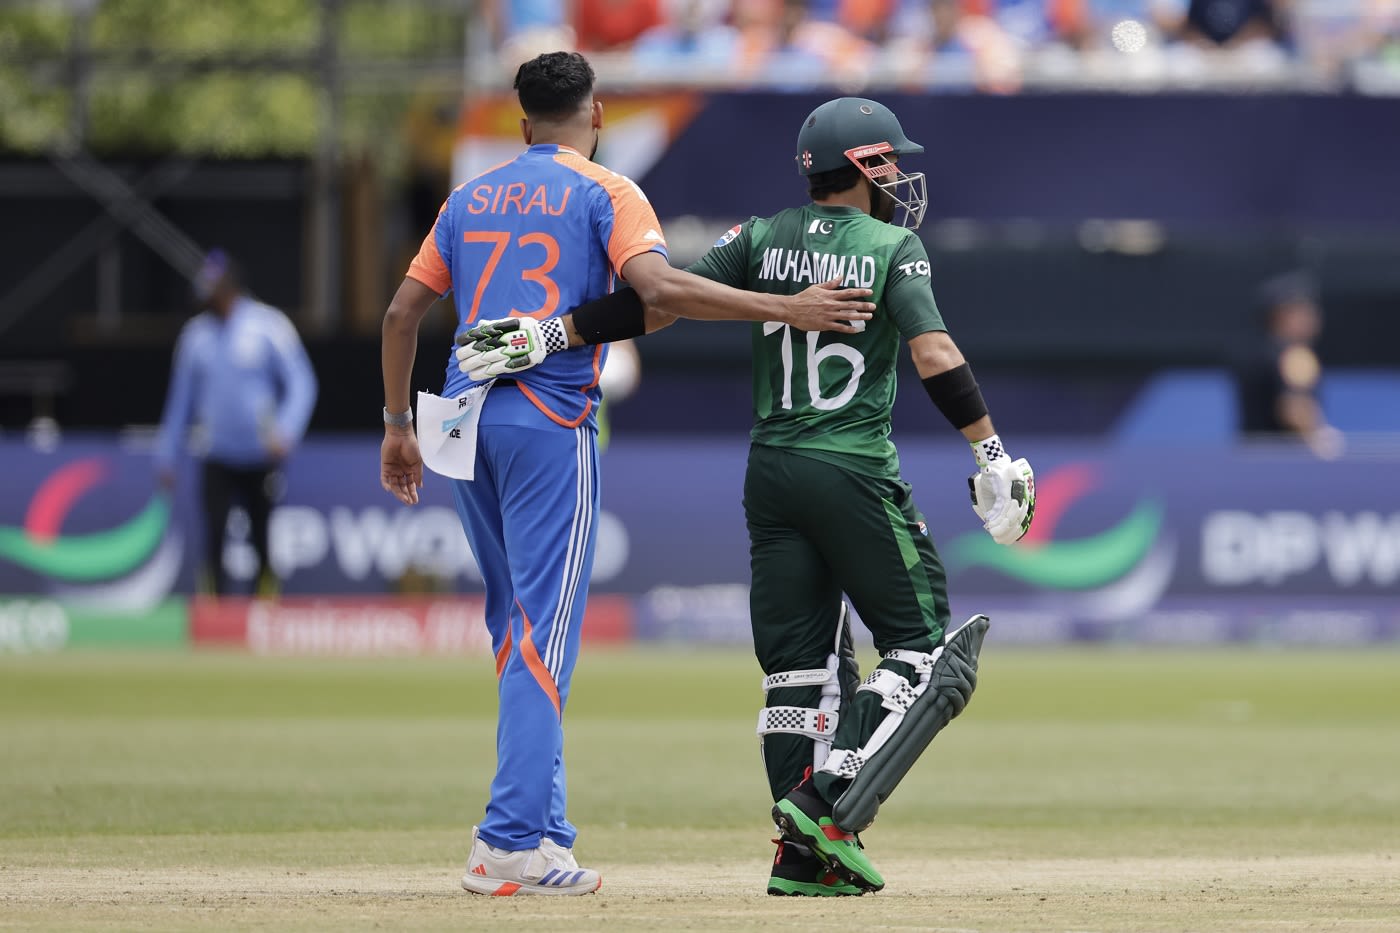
{"points": [[508, 346], [1003, 492]]}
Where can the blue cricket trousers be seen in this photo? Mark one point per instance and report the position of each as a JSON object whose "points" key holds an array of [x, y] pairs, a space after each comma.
{"points": [[530, 517]]}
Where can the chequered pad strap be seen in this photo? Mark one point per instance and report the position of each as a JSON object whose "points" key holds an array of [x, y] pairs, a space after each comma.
{"points": [[844, 762], [799, 720], [554, 336], [921, 662], [898, 694]]}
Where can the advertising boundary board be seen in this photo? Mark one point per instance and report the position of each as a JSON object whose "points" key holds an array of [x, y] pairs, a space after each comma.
{"points": [[354, 626], [374, 626], [1188, 543], [43, 625]]}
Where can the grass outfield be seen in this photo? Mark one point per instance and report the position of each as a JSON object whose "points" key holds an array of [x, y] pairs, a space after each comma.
{"points": [[1082, 790]]}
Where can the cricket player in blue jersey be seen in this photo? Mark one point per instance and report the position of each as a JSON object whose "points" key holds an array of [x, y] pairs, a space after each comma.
{"points": [[534, 237], [242, 373]]}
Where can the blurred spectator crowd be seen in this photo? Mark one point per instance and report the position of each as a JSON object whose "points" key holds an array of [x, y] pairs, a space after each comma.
{"points": [[993, 45]]}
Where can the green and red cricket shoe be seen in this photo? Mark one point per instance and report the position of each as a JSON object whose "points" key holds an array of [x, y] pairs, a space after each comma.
{"points": [[803, 816]]}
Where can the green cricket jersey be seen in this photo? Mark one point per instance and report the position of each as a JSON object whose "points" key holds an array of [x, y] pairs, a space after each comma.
{"points": [[829, 395]]}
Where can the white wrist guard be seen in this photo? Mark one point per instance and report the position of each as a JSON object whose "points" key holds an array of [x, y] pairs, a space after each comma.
{"points": [[985, 451]]}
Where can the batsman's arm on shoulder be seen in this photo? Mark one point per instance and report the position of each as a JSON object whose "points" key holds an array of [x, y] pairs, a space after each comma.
{"points": [[660, 294], [675, 292], [400, 340]]}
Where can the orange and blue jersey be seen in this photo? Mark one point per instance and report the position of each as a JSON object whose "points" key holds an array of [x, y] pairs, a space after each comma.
{"points": [[537, 236]]}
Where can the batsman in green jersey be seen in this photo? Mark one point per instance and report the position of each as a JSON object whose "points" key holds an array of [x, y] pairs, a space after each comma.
{"points": [[827, 510]]}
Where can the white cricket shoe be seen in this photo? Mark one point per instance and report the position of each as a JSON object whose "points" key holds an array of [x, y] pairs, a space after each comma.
{"points": [[549, 869], [562, 854]]}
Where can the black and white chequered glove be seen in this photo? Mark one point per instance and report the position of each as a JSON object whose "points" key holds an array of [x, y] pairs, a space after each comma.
{"points": [[508, 346], [1003, 492]]}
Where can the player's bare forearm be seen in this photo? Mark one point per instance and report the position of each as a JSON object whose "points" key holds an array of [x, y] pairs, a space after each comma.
{"points": [[657, 320], [400, 340]]}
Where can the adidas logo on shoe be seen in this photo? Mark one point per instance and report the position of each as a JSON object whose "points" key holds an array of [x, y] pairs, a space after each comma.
{"points": [[547, 869]]}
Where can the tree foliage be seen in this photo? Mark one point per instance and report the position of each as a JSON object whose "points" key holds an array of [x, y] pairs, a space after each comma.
{"points": [[242, 78]]}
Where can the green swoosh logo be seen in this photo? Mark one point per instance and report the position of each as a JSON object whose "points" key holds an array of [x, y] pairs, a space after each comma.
{"points": [[96, 556], [1075, 565]]}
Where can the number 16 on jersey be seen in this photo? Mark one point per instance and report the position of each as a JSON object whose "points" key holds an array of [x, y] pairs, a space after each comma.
{"points": [[812, 364]]}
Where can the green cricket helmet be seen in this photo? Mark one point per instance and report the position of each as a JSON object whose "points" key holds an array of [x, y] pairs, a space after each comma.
{"points": [[864, 133]]}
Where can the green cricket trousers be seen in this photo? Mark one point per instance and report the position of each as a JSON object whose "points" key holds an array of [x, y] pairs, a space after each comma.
{"points": [[817, 530]]}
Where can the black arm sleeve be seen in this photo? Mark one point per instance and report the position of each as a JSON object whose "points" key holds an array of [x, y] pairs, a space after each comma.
{"points": [[619, 316], [956, 394]]}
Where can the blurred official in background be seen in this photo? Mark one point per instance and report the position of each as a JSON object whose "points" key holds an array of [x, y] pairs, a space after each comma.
{"points": [[1279, 382], [242, 374]]}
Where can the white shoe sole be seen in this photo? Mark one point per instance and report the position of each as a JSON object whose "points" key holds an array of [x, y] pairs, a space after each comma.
{"points": [[500, 887]]}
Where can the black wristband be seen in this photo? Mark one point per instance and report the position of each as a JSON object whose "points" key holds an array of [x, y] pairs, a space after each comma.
{"points": [[956, 394], [619, 316]]}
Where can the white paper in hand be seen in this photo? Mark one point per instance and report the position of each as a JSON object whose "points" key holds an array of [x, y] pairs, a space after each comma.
{"points": [[447, 431]]}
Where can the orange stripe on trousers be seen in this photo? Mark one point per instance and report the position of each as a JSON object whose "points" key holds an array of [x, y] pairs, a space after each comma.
{"points": [[531, 654], [503, 655]]}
